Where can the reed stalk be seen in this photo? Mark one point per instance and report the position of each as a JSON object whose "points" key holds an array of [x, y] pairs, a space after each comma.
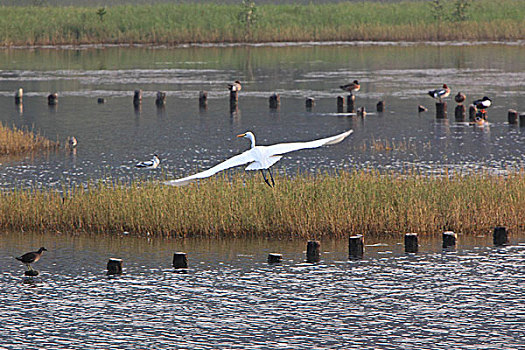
{"points": [[329, 205], [14, 141]]}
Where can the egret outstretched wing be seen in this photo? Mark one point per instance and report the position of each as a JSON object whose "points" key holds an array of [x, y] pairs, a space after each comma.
{"points": [[282, 148], [240, 159]]}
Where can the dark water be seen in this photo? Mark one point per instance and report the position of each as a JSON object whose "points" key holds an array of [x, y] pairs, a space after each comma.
{"points": [[113, 136], [230, 298]]}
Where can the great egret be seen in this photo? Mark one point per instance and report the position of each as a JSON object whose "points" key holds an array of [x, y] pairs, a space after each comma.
{"points": [[260, 157], [440, 94], [483, 103], [149, 164], [352, 87], [31, 257], [235, 86]]}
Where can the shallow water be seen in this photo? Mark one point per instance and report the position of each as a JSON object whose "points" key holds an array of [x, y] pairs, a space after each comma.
{"points": [[468, 298], [113, 136]]}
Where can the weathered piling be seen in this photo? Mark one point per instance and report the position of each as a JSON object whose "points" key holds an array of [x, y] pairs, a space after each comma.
{"points": [[275, 101], [449, 239], [137, 98], [101, 100], [203, 99], [234, 99], [411, 244], [460, 113], [19, 95], [340, 104], [441, 110], [512, 116], [114, 266], [313, 251], [522, 120], [52, 99], [160, 100], [180, 260], [500, 235], [309, 103], [472, 111], [356, 247], [380, 107], [274, 258], [350, 103]]}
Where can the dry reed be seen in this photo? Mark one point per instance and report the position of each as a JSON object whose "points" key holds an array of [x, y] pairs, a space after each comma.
{"points": [[18, 141]]}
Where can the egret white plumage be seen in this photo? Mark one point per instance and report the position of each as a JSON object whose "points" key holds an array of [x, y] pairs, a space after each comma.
{"points": [[149, 164], [260, 157]]}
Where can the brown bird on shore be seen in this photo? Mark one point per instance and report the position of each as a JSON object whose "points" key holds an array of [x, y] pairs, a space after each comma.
{"points": [[460, 97], [352, 87], [31, 257], [235, 86]]}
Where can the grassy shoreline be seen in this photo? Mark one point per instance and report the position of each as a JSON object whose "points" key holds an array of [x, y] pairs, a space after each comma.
{"points": [[214, 23], [14, 141], [305, 206]]}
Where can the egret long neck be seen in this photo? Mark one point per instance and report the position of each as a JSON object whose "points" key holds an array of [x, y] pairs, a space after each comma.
{"points": [[252, 140]]}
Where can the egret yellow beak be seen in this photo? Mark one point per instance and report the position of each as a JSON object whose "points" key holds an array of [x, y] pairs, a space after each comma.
{"points": [[241, 135]]}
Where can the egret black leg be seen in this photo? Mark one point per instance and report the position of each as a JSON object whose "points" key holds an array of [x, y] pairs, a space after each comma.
{"points": [[271, 176], [265, 179]]}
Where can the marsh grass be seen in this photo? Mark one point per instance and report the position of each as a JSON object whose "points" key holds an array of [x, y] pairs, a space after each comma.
{"points": [[15, 141], [218, 23], [330, 205]]}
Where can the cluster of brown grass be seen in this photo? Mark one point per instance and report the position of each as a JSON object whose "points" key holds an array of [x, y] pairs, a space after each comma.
{"points": [[330, 205], [14, 141]]}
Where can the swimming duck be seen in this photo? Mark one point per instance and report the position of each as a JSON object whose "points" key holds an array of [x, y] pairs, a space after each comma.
{"points": [[421, 108], [31, 257], [149, 164], [483, 103], [440, 94], [352, 87], [460, 97], [235, 86]]}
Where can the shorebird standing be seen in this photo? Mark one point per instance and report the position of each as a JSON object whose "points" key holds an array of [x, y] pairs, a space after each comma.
{"points": [[235, 86], [72, 141], [352, 87], [440, 94], [31, 257]]}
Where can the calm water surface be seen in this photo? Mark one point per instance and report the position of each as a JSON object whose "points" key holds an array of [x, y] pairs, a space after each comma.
{"points": [[113, 136], [230, 298]]}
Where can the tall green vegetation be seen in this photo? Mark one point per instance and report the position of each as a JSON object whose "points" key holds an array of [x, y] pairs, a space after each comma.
{"points": [[217, 23], [331, 205]]}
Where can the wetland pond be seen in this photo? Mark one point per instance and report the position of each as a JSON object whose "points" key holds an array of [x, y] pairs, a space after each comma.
{"points": [[230, 297]]}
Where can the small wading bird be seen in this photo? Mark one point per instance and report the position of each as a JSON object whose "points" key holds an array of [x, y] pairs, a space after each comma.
{"points": [[72, 141], [235, 86], [352, 87], [440, 94], [31, 257], [460, 97], [149, 164], [260, 157], [483, 103]]}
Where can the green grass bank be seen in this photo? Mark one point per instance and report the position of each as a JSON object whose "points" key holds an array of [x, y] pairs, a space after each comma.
{"points": [[214, 23], [303, 206]]}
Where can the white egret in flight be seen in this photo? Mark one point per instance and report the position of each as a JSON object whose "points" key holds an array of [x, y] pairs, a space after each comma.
{"points": [[260, 157]]}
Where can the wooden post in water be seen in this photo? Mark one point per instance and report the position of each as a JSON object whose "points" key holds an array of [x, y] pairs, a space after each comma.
{"points": [[350, 103], [137, 98], [472, 111], [522, 120], [160, 101], [380, 106], [313, 252], [460, 113], [441, 110], [500, 236], [309, 103], [52, 99], [203, 99], [234, 99], [274, 258], [411, 245], [340, 104], [275, 101], [512, 116], [449, 239], [19, 95], [356, 247], [180, 260], [114, 266]]}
